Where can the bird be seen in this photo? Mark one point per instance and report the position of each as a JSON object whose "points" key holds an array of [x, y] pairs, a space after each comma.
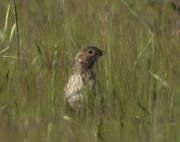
{"points": [[83, 77]]}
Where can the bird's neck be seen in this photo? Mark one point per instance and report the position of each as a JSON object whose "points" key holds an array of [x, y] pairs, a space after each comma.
{"points": [[82, 68]]}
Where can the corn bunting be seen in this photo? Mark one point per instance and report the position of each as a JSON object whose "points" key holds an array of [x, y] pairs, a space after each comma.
{"points": [[83, 77]]}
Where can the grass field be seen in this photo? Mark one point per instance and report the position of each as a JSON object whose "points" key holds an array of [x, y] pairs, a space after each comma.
{"points": [[138, 78]]}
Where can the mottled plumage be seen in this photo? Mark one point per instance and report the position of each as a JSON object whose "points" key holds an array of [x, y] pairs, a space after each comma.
{"points": [[83, 77]]}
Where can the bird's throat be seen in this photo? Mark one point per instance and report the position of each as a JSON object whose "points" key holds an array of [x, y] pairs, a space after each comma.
{"points": [[80, 67]]}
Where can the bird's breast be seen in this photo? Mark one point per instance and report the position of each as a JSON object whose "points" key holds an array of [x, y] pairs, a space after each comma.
{"points": [[76, 89], [74, 85]]}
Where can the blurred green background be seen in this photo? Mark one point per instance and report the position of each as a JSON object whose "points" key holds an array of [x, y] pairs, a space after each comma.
{"points": [[137, 79]]}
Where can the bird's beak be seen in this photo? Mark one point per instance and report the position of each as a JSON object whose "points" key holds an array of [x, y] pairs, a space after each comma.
{"points": [[101, 52]]}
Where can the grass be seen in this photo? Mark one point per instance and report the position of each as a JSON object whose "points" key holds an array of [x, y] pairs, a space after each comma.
{"points": [[137, 79]]}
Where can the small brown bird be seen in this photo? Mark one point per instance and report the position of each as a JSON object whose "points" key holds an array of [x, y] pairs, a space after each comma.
{"points": [[83, 77]]}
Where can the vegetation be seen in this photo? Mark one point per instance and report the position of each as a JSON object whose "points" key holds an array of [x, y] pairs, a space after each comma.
{"points": [[137, 79]]}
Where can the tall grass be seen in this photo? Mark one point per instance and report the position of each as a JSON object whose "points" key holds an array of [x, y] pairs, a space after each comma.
{"points": [[137, 79]]}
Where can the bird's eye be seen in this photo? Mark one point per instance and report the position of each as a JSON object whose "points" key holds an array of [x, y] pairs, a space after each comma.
{"points": [[91, 52]]}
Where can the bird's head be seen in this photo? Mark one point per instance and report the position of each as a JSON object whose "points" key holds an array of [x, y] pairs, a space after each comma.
{"points": [[88, 56]]}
